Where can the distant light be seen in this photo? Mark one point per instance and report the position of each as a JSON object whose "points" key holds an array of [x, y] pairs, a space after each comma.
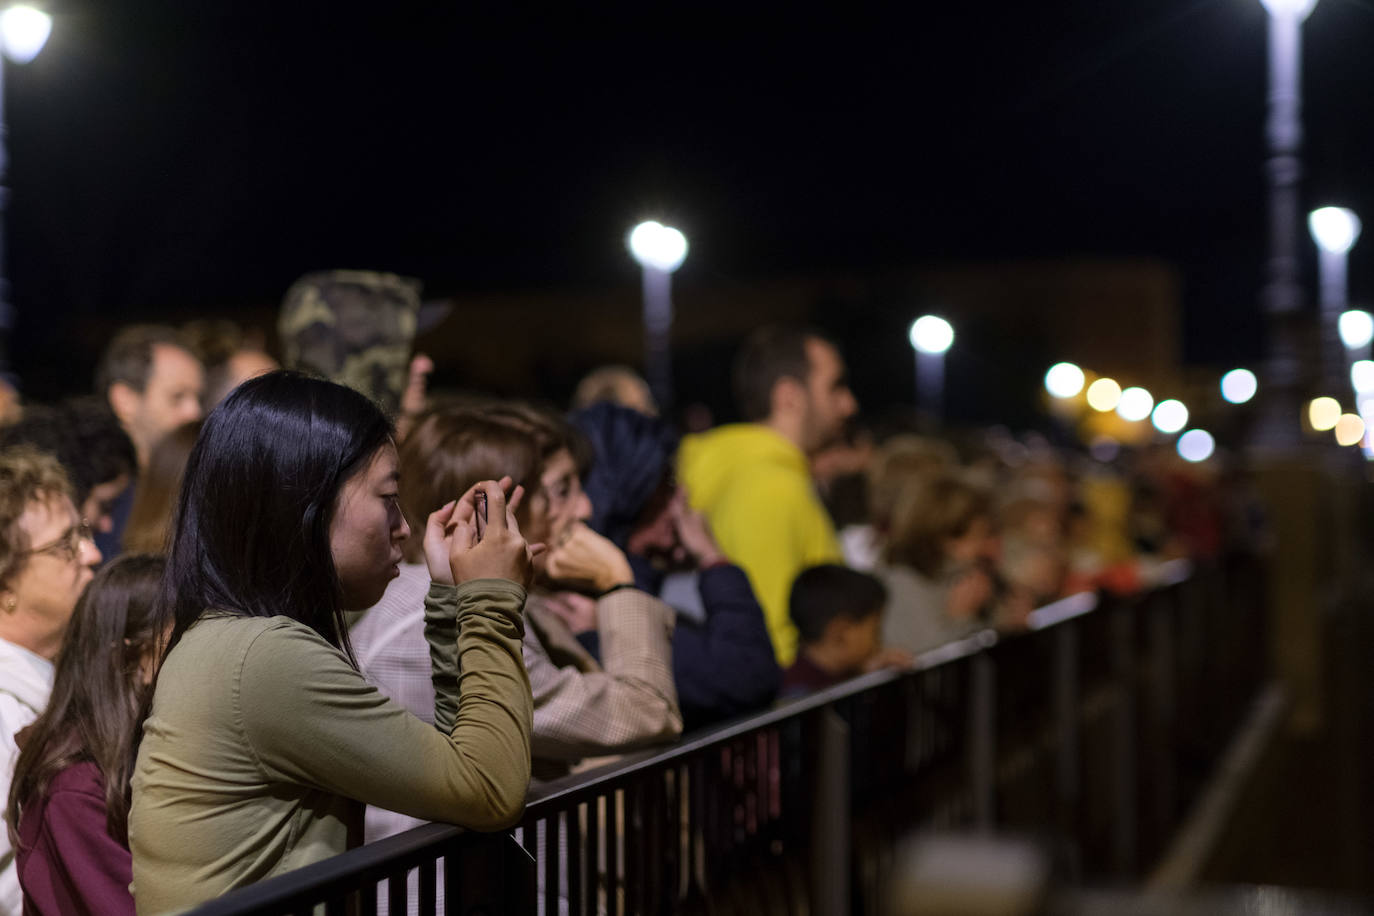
{"points": [[23, 32], [1349, 429], [1284, 9], [1335, 229], [1135, 404], [1196, 445], [657, 246], [1064, 380], [1239, 386], [1104, 449], [1170, 416], [1362, 375], [1323, 413], [1357, 328], [931, 334], [1104, 394]]}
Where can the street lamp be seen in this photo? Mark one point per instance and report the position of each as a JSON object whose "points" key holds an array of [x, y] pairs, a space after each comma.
{"points": [[1282, 297], [660, 250], [23, 32], [931, 337], [1335, 230]]}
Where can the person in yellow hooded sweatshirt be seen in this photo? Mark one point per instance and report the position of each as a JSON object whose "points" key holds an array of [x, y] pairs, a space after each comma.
{"points": [[753, 480]]}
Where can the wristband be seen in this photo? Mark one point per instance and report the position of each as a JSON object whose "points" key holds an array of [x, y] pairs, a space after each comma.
{"points": [[615, 588]]}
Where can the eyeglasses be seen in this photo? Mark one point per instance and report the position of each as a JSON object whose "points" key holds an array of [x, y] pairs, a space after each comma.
{"points": [[68, 546]]}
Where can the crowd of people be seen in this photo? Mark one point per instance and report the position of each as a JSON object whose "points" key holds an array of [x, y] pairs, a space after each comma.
{"points": [[252, 616]]}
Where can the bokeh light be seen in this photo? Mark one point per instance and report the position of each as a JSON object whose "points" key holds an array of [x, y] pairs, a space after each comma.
{"points": [[1323, 413], [657, 246], [1356, 327], [1349, 429], [1104, 394], [1170, 416], [1239, 386], [1196, 445], [23, 32], [1064, 380], [1362, 375], [931, 334], [1135, 404], [1335, 229]]}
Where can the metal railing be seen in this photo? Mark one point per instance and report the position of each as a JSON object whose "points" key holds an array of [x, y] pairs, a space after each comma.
{"points": [[1093, 730]]}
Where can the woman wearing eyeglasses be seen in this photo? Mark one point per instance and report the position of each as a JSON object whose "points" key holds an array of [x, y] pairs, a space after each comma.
{"points": [[68, 809], [46, 559]]}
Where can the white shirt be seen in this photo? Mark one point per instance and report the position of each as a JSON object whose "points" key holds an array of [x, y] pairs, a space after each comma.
{"points": [[25, 683]]}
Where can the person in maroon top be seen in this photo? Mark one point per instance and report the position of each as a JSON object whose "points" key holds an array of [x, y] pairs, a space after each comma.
{"points": [[838, 613], [69, 802]]}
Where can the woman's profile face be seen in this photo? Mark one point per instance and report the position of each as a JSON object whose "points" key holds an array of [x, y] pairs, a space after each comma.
{"points": [[559, 503], [367, 531]]}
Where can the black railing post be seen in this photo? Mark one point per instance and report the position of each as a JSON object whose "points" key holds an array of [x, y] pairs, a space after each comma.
{"points": [[830, 817], [1067, 716], [983, 740], [1126, 782]]}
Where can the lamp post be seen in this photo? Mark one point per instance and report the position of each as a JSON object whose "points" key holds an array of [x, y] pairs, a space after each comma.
{"points": [[931, 337], [1335, 230], [1282, 297], [23, 32], [660, 250]]}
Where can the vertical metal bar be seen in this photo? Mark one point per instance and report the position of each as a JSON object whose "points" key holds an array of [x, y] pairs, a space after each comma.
{"points": [[397, 895], [830, 817], [428, 899], [615, 886], [576, 827], [596, 861], [549, 863], [1067, 741], [1124, 824], [983, 740], [1163, 700]]}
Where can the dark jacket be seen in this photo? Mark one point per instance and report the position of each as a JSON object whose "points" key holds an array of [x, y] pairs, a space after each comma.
{"points": [[67, 860], [724, 666]]}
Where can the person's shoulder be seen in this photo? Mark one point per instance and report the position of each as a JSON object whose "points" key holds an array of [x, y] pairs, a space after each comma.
{"points": [[81, 778]]}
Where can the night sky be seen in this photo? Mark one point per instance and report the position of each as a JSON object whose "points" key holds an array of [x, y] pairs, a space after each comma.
{"points": [[200, 156]]}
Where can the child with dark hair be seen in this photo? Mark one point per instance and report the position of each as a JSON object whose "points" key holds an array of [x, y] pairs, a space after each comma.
{"points": [[69, 803], [838, 613]]}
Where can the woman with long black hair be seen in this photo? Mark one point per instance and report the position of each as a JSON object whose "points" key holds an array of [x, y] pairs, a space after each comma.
{"points": [[69, 802], [263, 741]]}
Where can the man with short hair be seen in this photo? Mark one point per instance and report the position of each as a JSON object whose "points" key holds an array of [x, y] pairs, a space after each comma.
{"points": [[753, 480], [153, 384]]}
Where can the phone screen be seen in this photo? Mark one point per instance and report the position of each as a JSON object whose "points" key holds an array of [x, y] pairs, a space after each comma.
{"points": [[480, 504]]}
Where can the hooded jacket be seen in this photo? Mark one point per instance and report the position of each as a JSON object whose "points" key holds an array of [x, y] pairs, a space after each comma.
{"points": [[755, 489], [25, 683]]}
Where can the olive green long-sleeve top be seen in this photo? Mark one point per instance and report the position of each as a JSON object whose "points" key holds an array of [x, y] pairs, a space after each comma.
{"points": [[264, 743]]}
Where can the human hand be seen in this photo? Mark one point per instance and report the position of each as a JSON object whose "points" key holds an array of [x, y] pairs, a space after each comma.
{"points": [[586, 559], [575, 609], [455, 555], [969, 594], [693, 532]]}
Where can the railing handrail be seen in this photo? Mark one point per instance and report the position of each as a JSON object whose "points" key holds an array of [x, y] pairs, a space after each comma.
{"points": [[556, 793]]}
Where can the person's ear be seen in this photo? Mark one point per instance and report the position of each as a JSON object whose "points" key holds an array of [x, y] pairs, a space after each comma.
{"points": [[789, 396], [124, 401]]}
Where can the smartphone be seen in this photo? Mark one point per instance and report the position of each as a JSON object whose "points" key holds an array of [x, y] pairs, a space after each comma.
{"points": [[479, 500]]}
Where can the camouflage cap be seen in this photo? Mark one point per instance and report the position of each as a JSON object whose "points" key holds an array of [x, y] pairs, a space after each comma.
{"points": [[356, 327]]}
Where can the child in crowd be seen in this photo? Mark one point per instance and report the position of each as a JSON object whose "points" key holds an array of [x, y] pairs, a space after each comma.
{"points": [[838, 613], [69, 803]]}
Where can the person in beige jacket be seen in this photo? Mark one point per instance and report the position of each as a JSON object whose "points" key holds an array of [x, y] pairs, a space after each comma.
{"points": [[581, 708], [264, 741]]}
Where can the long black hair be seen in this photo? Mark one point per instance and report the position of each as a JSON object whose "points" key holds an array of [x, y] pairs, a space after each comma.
{"points": [[98, 689], [251, 536]]}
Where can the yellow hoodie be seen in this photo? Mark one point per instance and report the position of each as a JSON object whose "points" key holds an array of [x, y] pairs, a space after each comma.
{"points": [[756, 491]]}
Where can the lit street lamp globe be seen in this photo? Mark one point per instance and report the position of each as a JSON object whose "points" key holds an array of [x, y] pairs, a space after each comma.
{"points": [[1239, 386], [23, 32], [1356, 327], [931, 334], [1135, 404], [1335, 229], [1064, 380], [1289, 9], [1349, 429], [1104, 394], [1169, 416], [1196, 445], [658, 247]]}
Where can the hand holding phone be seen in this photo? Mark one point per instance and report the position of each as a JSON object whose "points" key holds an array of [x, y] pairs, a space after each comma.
{"points": [[480, 513]]}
